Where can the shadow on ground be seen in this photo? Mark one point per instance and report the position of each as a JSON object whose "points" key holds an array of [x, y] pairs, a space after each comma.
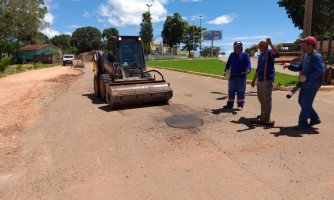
{"points": [[244, 121], [226, 96], [93, 98], [283, 131], [223, 110], [292, 132], [108, 108]]}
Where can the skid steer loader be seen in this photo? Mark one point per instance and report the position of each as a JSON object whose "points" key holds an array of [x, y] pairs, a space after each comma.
{"points": [[121, 77]]}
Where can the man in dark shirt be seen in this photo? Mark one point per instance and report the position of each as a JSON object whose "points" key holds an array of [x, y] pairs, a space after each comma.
{"points": [[311, 70], [237, 66], [265, 73]]}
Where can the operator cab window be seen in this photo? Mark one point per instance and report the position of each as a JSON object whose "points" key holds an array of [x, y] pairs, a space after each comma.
{"points": [[130, 54]]}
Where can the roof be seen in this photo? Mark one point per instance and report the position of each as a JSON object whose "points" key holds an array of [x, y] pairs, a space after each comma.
{"points": [[33, 47]]}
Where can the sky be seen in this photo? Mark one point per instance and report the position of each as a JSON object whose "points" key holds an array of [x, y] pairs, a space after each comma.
{"points": [[247, 21]]}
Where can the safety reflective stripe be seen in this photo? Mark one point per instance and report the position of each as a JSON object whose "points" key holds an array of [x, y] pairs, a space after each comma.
{"points": [[241, 100], [232, 100]]}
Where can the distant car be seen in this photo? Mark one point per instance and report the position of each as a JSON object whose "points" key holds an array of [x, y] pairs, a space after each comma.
{"points": [[68, 59]]}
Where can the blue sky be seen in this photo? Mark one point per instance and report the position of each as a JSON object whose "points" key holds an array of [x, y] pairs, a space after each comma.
{"points": [[243, 20]]}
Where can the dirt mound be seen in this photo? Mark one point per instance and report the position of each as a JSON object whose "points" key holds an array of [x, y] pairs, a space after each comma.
{"points": [[23, 97]]}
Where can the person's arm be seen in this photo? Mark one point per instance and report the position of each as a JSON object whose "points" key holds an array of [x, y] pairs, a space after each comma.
{"points": [[249, 66], [319, 68], [254, 79], [228, 64], [274, 51]]}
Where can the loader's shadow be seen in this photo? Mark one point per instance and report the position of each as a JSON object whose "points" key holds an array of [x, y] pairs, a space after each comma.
{"points": [[108, 108], [251, 93], [93, 98], [292, 132]]}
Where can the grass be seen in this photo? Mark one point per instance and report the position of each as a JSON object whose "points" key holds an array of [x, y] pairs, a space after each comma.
{"points": [[14, 69], [215, 67]]}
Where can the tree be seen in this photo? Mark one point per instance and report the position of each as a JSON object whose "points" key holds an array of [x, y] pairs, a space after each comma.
{"points": [[191, 38], [206, 51], [106, 34], [323, 15], [20, 21], [63, 41], [86, 39], [109, 32], [146, 32], [252, 49], [173, 30]]}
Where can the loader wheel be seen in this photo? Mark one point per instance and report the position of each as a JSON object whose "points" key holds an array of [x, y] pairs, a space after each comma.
{"points": [[96, 86], [102, 88]]}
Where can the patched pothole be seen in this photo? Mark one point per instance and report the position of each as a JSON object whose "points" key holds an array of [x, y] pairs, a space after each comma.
{"points": [[184, 121]]}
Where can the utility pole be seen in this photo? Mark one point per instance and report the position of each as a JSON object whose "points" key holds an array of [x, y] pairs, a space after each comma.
{"points": [[193, 43], [307, 29], [149, 6], [200, 41]]}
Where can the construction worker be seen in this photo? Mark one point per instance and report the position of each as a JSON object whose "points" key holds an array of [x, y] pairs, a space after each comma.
{"points": [[265, 76], [311, 70], [237, 66]]}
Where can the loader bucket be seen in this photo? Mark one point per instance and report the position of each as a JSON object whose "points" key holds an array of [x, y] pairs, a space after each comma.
{"points": [[137, 92]]}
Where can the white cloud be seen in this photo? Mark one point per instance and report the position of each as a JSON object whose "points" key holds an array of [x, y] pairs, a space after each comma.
{"points": [[224, 19], [257, 37], [129, 12], [49, 18], [191, 0], [74, 26], [87, 14]]}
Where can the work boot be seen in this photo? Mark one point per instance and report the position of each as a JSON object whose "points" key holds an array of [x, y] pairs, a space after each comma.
{"points": [[312, 123]]}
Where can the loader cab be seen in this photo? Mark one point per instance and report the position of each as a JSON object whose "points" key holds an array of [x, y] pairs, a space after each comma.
{"points": [[130, 52]]}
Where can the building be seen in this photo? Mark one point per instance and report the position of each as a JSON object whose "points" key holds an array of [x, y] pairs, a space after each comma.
{"points": [[46, 53]]}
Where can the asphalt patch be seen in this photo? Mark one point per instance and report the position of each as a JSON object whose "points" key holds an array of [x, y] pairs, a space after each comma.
{"points": [[184, 121]]}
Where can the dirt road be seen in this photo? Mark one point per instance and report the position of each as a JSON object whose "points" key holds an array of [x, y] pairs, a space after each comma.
{"points": [[82, 149]]}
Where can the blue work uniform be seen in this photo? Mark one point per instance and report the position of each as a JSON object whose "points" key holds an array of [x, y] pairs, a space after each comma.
{"points": [[270, 73], [312, 66], [238, 64]]}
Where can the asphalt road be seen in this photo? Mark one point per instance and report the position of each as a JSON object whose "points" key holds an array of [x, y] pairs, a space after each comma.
{"points": [[82, 149]]}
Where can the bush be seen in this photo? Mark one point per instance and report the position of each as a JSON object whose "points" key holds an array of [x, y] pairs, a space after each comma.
{"points": [[4, 63]]}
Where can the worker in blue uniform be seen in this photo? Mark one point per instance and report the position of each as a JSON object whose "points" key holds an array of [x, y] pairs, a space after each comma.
{"points": [[311, 71], [237, 67]]}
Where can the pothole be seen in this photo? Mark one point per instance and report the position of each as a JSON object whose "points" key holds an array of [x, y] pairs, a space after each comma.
{"points": [[184, 121]]}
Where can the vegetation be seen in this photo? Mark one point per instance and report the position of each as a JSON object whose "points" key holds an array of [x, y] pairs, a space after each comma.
{"points": [[20, 21], [173, 30], [63, 41], [86, 39], [106, 34], [146, 32], [207, 51], [191, 38], [215, 67], [14, 69], [322, 17]]}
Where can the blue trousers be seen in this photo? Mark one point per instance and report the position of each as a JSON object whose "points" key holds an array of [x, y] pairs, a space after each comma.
{"points": [[305, 100], [236, 86]]}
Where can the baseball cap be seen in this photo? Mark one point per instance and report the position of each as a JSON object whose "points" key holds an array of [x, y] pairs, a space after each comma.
{"points": [[237, 43], [309, 40]]}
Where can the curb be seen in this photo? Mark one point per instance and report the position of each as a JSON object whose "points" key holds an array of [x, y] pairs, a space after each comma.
{"points": [[276, 87]]}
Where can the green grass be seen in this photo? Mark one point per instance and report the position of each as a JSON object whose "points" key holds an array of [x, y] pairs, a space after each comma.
{"points": [[14, 69], [215, 67]]}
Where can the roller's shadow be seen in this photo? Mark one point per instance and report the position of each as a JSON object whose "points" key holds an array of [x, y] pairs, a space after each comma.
{"points": [[108, 108]]}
